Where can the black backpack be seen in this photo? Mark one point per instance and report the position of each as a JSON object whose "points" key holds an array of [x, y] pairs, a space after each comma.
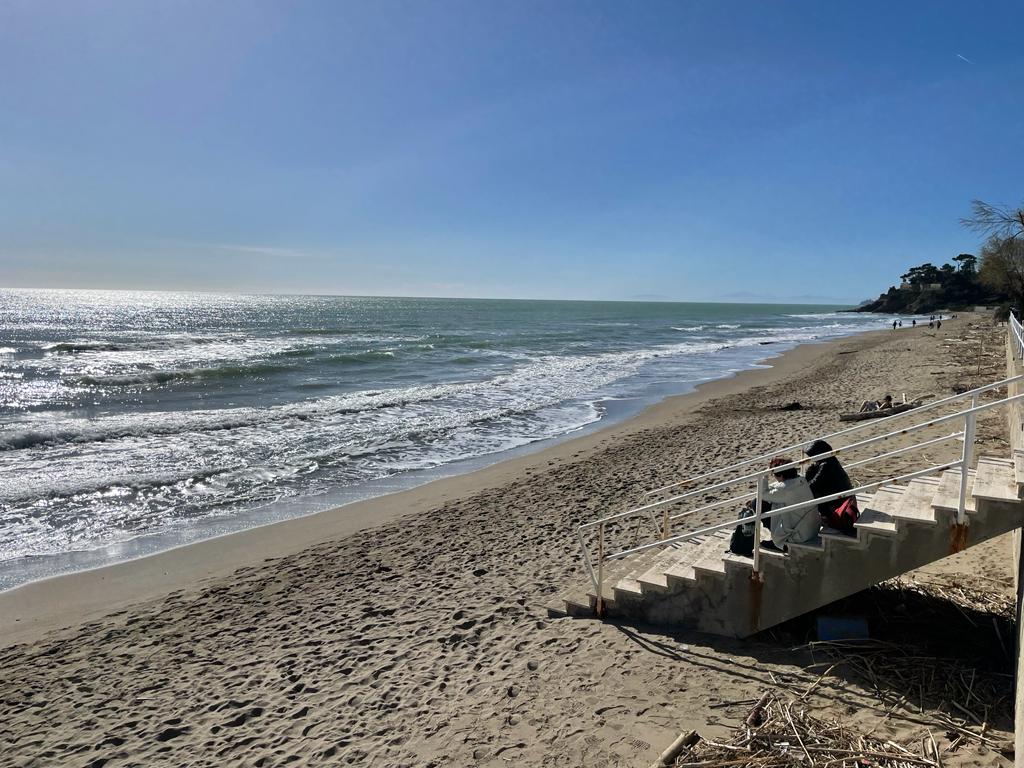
{"points": [[742, 541]]}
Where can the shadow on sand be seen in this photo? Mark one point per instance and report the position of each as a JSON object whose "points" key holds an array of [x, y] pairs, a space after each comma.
{"points": [[928, 650]]}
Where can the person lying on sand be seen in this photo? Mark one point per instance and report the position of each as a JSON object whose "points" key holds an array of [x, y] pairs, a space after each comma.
{"points": [[877, 405]]}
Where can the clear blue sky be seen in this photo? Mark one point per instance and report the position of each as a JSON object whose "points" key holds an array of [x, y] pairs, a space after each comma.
{"points": [[692, 150]]}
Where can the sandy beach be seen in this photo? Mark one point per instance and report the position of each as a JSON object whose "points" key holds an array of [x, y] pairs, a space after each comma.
{"points": [[412, 629]]}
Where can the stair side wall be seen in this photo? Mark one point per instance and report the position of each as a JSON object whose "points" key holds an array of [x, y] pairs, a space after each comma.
{"points": [[1015, 426]]}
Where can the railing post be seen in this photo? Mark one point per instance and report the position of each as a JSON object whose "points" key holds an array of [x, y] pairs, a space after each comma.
{"points": [[965, 465], [758, 507], [666, 524], [600, 571]]}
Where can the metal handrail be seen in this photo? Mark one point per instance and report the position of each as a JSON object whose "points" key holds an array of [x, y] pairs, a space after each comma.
{"points": [[847, 431], [969, 415], [1017, 330], [797, 463], [788, 508], [890, 454]]}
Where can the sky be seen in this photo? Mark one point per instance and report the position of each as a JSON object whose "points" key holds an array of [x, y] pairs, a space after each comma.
{"points": [[679, 150]]}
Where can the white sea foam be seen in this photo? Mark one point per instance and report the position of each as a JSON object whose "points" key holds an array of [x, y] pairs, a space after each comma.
{"points": [[102, 439]]}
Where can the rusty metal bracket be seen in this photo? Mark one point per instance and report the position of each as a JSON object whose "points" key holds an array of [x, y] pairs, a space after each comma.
{"points": [[957, 538], [756, 588]]}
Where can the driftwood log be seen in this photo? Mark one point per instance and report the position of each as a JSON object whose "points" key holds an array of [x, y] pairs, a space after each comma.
{"points": [[881, 413]]}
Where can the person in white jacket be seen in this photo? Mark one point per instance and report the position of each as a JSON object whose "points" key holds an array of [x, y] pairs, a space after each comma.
{"points": [[789, 488]]}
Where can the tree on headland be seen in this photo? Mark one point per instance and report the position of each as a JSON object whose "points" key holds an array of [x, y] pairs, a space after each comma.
{"points": [[967, 263], [1002, 267], [1002, 257], [922, 275]]}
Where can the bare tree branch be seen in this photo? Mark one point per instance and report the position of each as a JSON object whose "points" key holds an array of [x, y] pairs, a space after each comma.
{"points": [[999, 220]]}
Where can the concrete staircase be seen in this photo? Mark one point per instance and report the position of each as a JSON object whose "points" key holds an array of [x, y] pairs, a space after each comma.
{"points": [[701, 585]]}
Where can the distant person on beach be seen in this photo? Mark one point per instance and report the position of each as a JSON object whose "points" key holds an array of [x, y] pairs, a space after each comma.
{"points": [[894, 325], [913, 323], [901, 323], [790, 488], [825, 478], [938, 324], [876, 405]]}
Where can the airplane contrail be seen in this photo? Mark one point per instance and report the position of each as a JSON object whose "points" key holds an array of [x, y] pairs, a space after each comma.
{"points": [[964, 58]]}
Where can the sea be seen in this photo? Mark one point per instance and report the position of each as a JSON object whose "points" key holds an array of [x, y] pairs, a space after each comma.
{"points": [[132, 422]]}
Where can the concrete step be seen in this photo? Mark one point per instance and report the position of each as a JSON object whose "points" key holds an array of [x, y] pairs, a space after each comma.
{"points": [[614, 572], [995, 480], [1018, 467], [947, 493], [737, 562], [813, 547], [710, 548], [887, 499], [874, 521], [654, 578], [627, 584], [711, 560], [864, 500], [916, 504], [834, 538]]}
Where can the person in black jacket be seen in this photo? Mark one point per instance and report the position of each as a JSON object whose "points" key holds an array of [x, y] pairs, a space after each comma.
{"points": [[826, 476]]}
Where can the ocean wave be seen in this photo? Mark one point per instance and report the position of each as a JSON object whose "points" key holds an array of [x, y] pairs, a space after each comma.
{"points": [[8, 351], [541, 382], [686, 328], [190, 481], [361, 358], [795, 335], [727, 326], [149, 343], [74, 347], [322, 331], [163, 377], [300, 352]]}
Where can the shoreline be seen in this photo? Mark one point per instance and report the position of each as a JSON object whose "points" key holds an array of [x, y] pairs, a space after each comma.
{"points": [[29, 610]]}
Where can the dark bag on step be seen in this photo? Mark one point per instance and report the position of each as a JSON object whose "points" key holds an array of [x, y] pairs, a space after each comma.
{"points": [[742, 541]]}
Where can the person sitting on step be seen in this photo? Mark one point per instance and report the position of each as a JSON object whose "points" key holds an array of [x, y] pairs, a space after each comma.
{"points": [[827, 477], [789, 488]]}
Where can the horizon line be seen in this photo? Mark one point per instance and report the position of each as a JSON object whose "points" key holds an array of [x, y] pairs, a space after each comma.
{"points": [[719, 300]]}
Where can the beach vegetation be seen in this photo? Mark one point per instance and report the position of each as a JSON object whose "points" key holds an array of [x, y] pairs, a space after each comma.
{"points": [[1002, 267], [1002, 256]]}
